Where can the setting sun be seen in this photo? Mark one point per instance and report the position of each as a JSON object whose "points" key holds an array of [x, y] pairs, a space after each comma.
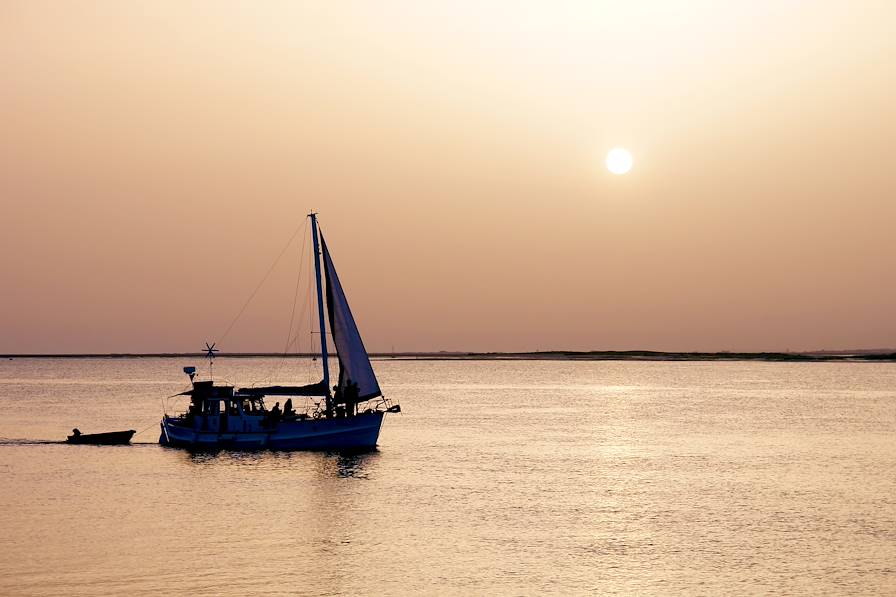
{"points": [[619, 160]]}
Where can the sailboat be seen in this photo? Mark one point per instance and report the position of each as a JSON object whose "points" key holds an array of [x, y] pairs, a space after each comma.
{"points": [[347, 418]]}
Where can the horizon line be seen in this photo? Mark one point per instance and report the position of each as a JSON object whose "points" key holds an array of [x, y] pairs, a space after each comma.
{"points": [[864, 354]]}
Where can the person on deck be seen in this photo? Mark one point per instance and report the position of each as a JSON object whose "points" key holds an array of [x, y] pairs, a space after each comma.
{"points": [[287, 408], [351, 397], [274, 415]]}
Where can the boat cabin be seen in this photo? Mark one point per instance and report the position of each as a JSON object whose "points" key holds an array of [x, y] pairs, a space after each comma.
{"points": [[225, 409]]}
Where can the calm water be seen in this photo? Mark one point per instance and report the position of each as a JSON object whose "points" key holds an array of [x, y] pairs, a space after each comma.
{"points": [[499, 478]]}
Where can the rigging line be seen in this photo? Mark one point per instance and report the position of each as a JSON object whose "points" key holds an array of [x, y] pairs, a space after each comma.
{"points": [[299, 332], [292, 315], [280, 361], [291, 339], [309, 291], [308, 300], [295, 296], [257, 288], [153, 424]]}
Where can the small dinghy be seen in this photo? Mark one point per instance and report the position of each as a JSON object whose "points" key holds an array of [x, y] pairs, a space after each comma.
{"points": [[110, 438]]}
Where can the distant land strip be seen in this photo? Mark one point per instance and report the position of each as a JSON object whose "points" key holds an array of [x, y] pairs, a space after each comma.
{"points": [[886, 355]]}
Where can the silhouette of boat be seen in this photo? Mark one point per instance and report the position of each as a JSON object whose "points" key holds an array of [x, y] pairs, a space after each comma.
{"points": [[348, 418], [110, 438]]}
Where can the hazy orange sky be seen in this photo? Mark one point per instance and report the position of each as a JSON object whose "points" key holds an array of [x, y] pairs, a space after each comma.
{"points": [[156, 156]]}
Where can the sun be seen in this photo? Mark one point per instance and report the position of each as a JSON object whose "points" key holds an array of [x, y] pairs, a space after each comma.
{"points": [[619, 160]]}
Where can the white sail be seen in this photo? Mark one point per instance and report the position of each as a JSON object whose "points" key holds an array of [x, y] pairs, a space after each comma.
{"points": [[354, 364]]}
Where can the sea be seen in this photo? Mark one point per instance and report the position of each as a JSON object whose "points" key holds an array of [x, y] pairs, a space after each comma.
{"points": [[499, 477]]}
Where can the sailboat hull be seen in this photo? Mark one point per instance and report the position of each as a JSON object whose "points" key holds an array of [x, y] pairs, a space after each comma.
{"points": [[350, 433]]}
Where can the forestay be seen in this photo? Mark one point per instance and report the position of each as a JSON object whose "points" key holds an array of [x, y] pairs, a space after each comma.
{"points": [[354, 363]]}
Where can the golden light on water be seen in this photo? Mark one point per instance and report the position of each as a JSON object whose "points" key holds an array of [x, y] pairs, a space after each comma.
{"points": [[619, 160]]}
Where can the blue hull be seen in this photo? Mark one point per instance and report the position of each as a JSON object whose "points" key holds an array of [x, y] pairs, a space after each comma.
{"points": [[351, 433]]}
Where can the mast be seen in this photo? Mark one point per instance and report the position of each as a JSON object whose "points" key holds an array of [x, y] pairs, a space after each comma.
{"points": [[320, 312]]}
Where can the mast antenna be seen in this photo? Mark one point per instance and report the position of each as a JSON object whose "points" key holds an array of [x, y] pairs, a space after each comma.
{"points": [[210, 355]]}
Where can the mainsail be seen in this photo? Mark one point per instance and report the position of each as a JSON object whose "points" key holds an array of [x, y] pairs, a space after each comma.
{"points": [[354, 364]]}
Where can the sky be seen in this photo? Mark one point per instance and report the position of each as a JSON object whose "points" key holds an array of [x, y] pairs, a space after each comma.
{"points": [[156, 157]]}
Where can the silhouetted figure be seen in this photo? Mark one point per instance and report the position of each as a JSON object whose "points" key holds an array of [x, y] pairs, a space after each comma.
{"points": [[351, 392], [76, 432], [351, 396], [287, 408]]}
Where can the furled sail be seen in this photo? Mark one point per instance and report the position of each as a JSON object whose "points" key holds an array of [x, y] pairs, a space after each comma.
{"points": [[315, 389], [354, 364]]}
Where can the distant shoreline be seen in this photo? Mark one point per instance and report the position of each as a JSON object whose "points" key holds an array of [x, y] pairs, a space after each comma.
{"points": [[558, 355]]}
